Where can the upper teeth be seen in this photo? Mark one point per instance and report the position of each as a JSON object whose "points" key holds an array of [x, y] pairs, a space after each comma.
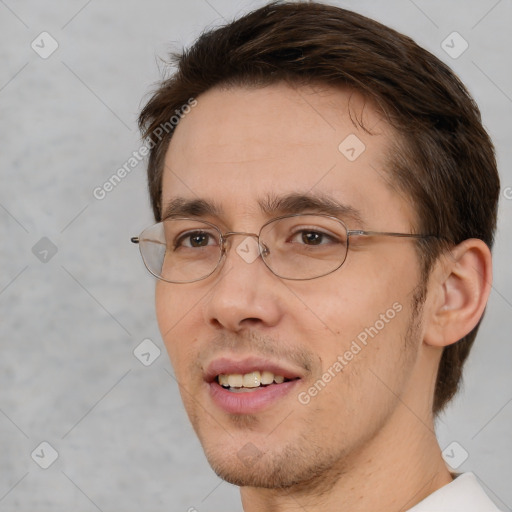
{"points": [[249, 380]]}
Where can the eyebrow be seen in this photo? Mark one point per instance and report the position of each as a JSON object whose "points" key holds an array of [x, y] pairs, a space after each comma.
{"points": [[271, 205], [182, 207], [309, 203]]}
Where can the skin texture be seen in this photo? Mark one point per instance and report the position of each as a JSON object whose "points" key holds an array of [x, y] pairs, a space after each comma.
{"points": [[371, 426]]}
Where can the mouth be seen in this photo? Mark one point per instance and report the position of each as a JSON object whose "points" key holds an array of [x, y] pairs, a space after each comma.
{"points": [[250, 385], [249, 382]]}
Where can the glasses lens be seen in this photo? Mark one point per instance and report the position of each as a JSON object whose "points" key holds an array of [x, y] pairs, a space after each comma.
{"points": [[181, 250], [304, 246]]}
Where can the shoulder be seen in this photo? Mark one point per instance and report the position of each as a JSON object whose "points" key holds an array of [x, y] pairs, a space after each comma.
{"points": [[463, 494]]}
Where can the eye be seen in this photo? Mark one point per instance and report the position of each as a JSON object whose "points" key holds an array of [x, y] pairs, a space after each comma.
{"points": [[312, 237], [195, 239]]}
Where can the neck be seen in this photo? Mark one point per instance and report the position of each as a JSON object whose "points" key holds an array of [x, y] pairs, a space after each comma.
{"points": [[392, 472]]}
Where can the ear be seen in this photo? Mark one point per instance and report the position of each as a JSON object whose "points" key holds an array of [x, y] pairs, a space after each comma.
{"points": [[459, 287]]}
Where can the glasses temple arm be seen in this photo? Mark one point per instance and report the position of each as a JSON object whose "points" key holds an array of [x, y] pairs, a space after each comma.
{"points": [[360, 232]]}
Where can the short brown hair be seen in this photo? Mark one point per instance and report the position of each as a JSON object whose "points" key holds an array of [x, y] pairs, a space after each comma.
{"points": [[443, 159]]}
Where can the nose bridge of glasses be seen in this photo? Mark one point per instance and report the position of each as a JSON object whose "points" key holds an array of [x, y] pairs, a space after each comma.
{"points": [[230, 234], [263, 249]]}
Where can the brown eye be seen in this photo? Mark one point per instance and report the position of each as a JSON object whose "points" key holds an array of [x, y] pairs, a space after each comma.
{"points": [[312, 237], [199, 240], [195, 239]]}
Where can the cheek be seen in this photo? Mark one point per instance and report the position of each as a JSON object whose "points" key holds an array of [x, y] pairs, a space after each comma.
{"points": [[164, 308], [361, 314], [342, 308], [374, 278], [175, 310], [364, 366]]}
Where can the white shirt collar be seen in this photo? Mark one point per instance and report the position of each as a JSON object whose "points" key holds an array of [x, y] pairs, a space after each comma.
{"points": [[463, 494]]}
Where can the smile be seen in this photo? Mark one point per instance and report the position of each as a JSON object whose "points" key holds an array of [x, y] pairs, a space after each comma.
{"points": [[249, 385], [239, 383]]}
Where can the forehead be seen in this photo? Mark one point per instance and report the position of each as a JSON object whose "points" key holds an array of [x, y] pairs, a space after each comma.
{"points": [[240, 145]]}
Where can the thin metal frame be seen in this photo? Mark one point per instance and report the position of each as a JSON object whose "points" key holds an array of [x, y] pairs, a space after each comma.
{"points": [[224, 236]]}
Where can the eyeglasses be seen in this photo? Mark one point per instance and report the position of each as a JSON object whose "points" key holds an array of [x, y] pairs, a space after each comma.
{"points": [[296, 247]]}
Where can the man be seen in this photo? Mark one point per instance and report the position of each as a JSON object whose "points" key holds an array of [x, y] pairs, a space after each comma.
{"points": [[325, 198]]}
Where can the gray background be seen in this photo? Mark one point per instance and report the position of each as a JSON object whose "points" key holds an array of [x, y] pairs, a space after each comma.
{"points": [[68, 375]]}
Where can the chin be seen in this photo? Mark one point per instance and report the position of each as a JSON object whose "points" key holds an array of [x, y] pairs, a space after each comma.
{"points": [[279, 469], [259, 475]]}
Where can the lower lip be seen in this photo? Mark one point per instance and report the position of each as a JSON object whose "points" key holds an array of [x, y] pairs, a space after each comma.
{"points": [[251, 401]]}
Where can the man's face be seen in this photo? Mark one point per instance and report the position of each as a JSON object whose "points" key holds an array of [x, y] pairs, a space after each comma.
{"points": [[237, 149]]}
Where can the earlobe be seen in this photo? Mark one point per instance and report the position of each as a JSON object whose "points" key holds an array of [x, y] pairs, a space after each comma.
{"points": [[460, 287]]}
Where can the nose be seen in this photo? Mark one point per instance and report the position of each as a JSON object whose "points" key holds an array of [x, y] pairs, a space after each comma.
{"points": [[245, 293]]}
